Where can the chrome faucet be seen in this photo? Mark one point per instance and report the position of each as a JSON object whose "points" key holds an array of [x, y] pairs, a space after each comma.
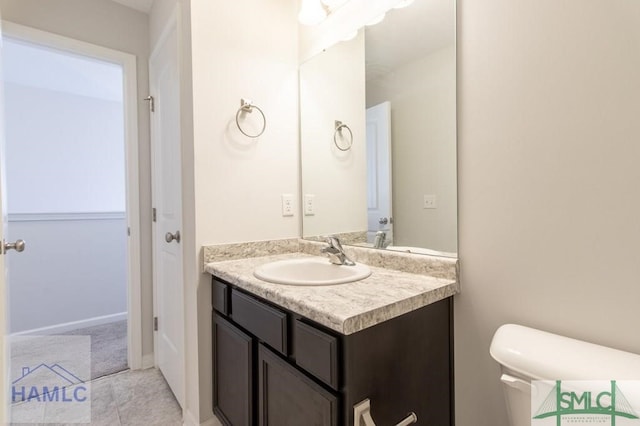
{"points": [[336, 253]]}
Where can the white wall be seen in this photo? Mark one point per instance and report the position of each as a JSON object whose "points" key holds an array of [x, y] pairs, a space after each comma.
{"points": [[549, 97], [159, 16], [72, 271], [105, 23], [423, 134], [72, 160], [65, 154], [332, 88], [237, 182]]}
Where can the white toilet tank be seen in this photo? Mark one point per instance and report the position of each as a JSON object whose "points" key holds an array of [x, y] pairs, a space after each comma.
{"points": [[527, 354]]}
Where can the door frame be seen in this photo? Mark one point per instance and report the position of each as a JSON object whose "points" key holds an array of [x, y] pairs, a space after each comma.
{"points": [[130, 103]]}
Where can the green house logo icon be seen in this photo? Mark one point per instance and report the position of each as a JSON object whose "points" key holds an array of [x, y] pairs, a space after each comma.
{"points": [[610, 402]]}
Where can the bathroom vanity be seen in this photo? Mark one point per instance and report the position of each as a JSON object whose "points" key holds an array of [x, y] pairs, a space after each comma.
{"points": [[287, 355]]}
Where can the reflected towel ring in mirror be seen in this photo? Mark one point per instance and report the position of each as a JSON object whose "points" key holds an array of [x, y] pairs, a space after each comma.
{"points": [[247, 106], [339, 126]]}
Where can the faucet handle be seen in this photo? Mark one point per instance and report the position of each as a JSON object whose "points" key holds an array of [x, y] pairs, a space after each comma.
{"points": [[333, 241]]}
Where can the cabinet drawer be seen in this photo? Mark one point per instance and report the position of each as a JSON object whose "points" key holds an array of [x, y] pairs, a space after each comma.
{"points": [[220, 297], [317, 353], [266, 323]]}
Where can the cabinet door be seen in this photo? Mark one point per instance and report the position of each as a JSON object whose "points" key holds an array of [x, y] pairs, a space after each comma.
{"points": [[288, 398], [232, 373]]}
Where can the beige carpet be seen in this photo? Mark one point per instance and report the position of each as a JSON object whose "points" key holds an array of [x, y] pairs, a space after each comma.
{"points": [[108, 347]]}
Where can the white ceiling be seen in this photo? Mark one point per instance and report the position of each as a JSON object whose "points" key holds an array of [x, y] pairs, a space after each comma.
{"points": [[408, 34], [141, 5]]}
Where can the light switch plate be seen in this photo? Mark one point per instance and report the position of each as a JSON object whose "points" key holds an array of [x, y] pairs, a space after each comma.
{"points": [[309, 204], [287, 205], [430, 202]]}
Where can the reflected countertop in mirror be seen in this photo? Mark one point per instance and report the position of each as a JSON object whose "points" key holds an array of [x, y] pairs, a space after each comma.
{"points": [[389, 180]]}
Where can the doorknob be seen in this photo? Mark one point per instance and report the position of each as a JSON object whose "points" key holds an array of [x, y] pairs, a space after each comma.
{"points": [[383, 221], [171, 237], [18, 246]]}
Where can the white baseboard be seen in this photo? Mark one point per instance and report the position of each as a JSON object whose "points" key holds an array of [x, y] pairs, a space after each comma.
{"points": [[190, 420], [74, 325], [148, 361]]}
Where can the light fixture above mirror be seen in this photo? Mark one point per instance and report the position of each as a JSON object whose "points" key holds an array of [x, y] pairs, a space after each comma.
{"points": [[326, 22], [312, 12], [333, 4], [316, 12]]}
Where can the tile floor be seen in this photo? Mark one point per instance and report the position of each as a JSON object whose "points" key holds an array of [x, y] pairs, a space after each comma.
{"points": [[140, 397]]}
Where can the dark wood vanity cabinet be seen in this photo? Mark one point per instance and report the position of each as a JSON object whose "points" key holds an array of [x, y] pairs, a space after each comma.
{"points": [[234, 372], [287, 397], [274, 367]]}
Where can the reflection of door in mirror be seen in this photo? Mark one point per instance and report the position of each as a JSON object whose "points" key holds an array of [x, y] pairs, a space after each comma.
{"points": [[379, 211]]}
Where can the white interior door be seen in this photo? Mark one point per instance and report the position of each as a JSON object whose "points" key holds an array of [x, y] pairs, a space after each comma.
{"points": [[379, 209], [4, 382], [167, 201], [5, 246]]}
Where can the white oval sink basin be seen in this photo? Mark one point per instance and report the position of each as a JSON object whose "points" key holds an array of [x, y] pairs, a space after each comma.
{"points": [[310, 271]]}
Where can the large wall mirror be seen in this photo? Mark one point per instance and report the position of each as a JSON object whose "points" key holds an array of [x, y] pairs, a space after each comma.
{"points": [[378, 134]]}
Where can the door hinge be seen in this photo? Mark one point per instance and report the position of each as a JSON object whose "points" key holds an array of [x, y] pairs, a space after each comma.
{"points": [[153, 214], [151, 101], [155, 323]]}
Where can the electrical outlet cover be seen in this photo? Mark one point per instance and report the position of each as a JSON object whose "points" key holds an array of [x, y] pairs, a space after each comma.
{"points": [[309, 204], [287, 205], [430, 202]]}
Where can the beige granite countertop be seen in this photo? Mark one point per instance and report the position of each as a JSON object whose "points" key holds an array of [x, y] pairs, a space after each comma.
{"points": [[345, 308]]}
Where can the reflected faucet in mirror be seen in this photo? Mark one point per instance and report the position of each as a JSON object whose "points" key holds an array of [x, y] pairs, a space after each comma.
{"points": [[381, 240]]}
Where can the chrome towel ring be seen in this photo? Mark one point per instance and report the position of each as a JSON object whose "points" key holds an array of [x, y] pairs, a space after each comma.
{"points": [[247, 106], [339, 126]]}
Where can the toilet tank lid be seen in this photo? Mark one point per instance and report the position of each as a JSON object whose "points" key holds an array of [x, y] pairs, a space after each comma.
{"points": [[546, 356]]}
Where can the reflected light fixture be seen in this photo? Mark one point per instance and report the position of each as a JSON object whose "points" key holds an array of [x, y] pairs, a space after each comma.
{"points": [[376, 20], [312, 12], [403, 3], [350, 36], [333, 4]]}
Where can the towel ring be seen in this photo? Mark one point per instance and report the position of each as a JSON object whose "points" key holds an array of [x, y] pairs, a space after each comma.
{"points": [[247, 106], [339, 126]]}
